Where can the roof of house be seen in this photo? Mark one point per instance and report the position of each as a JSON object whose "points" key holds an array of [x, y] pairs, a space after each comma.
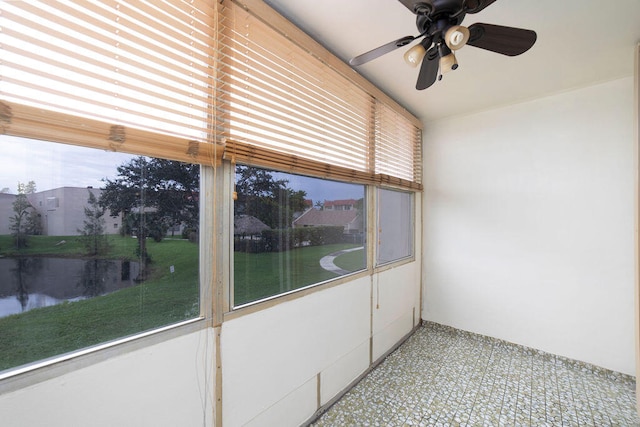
{"points": [[246, 224], [326, 217]]}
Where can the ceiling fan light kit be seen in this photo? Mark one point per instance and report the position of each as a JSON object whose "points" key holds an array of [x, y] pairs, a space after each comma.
{"points": [[439, 25]]}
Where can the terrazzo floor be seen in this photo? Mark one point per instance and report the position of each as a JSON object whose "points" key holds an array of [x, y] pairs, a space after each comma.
{"points": [[446, 377]]}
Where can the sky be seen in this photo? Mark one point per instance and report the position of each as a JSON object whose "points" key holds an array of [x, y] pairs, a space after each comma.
{"points": [[322, 189], [52, 165]]}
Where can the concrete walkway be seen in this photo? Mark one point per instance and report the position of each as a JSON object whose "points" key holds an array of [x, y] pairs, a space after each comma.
{"points": [[328, 264]]}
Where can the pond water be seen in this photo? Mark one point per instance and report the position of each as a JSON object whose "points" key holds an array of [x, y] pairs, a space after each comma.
{"points": [[28, 283]]}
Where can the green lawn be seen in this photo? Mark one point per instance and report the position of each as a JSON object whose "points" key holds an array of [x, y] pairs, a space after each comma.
{"points": [[163, 299], [261, 275], [352, 261], [119, 247]]}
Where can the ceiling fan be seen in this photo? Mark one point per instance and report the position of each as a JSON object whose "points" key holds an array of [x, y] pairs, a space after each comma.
{"points": [[438, 23]]}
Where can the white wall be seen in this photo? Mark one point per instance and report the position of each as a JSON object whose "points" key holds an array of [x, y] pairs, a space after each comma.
{"points": [[280, 364], [529, 224], [168, 384]]}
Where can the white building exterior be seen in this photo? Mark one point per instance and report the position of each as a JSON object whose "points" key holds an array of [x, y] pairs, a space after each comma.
{"points": [[61, 211]]}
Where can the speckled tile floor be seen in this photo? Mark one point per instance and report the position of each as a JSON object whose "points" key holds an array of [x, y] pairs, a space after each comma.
{"points": [[446, 377]]}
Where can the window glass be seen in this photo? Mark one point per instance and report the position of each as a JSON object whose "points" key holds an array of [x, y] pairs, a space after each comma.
{"points": [[395, 225], [293, 231], [94, 246]]}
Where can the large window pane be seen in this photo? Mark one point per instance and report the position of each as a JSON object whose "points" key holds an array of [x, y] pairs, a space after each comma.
{"points": [[94, 246], [292, 231], [395, 225]]}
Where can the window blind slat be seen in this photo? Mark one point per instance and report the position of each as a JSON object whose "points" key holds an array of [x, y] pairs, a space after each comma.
{"points": [[101, 42], [38, 75], [251, 134], [36, 123], [275, 103], [294, 68], [292, 97], [305, 121], [267, 120], [397, 146], [143, 64], [241, 152]]}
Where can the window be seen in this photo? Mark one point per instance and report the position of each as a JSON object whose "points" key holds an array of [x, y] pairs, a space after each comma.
{"points": [[195, 82], [70, 281], [293, 231], [395, 225]]}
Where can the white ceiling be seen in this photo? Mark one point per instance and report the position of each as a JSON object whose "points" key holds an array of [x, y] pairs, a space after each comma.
{"points": [[580, 42]]}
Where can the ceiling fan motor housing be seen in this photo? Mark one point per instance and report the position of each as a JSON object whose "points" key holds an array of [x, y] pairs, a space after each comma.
{"points": [[440, 15]]}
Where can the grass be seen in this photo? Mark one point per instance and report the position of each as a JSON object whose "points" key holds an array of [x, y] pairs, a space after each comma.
{"points": [[352, 261], [164, 298], [258, 276], [67, 246]]}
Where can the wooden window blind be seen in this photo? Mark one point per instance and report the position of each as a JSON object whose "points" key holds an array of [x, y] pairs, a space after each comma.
{"points": [[282, 98], [398, 152], [287, 109], [177, 78], [129, 75], [242, 152]]}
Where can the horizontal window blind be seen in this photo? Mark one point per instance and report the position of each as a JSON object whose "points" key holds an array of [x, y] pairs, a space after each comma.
{"points": [[280, 97], [145, 66], [244, 153], [276, 96], [398, 152], [35, 123], [167, 77]]}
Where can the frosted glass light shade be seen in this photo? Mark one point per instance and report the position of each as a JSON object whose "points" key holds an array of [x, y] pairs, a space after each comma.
{"points": [[448, 63], [414, 56]]}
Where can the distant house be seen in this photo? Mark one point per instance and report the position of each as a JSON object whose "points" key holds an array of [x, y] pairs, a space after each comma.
{"points": [[340, 205], [248, 226], [333, 213], [6, 211], [61, 211], [350, 219]]}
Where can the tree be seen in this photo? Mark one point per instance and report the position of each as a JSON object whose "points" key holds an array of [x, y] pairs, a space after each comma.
{"points": [[269, 199], [20, 223], [177, 186], [93, 235], [153, 195]]}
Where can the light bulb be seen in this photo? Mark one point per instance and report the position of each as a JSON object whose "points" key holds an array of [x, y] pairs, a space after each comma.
{"points": [[414, 56], [456, 37]]}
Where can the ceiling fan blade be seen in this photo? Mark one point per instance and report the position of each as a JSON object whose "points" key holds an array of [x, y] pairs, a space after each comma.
{"points": [[428, 69], [411, 5], [408, 4], [475, 6], [505, 40], [381, 50]]}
